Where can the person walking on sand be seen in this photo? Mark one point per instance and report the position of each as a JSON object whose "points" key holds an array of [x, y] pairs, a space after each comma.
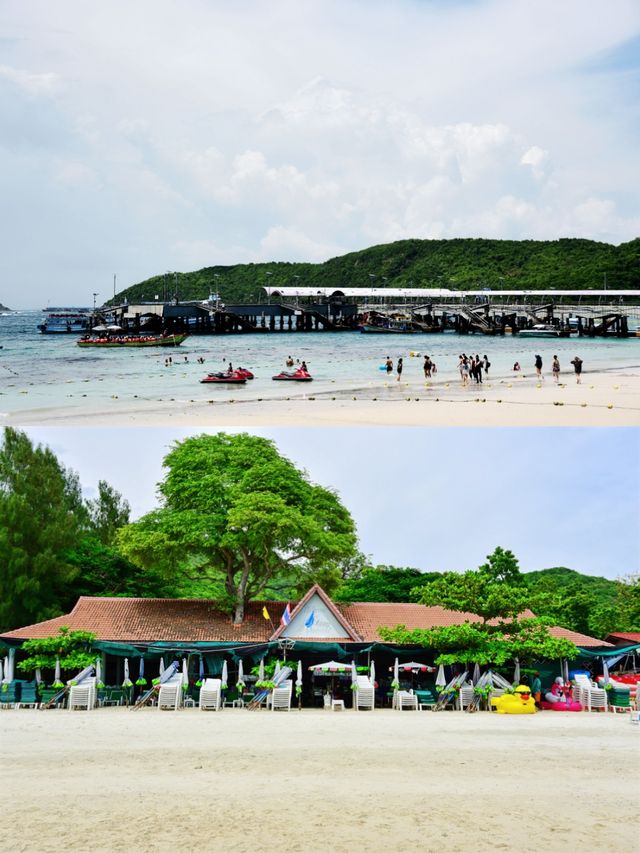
{"points": [[555, 369], [399, 370], [538, 364], [478, 370], [577, 366], [464, 372]]}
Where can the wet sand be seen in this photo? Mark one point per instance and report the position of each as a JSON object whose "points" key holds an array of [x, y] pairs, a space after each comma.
{"points": [[603, 399]]}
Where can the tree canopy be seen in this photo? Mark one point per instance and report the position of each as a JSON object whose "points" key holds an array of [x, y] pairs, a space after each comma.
{"points": [[384, 583], [41, 517], [496, 593], [71, 648], [235, 510]]}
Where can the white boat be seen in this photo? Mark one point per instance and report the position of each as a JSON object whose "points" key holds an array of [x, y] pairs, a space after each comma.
{"points": [[65, 322], [542, 330]]}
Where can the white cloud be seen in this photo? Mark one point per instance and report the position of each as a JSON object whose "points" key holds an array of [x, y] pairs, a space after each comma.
{"points": [[32, 83], [233, 131]]}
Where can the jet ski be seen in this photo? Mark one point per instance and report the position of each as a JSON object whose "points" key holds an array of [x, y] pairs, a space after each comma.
{"points": [[233, 378], [295, 376]]}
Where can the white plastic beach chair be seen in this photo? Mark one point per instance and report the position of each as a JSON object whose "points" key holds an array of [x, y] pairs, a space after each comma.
{"points": [[365, 694], [405, 699], [170, 694], [593, 699], [211, 695], [83, 695], [281, 697], [465, 697]]}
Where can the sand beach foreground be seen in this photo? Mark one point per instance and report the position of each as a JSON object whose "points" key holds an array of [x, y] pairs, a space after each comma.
{"points": [[314, 781]]}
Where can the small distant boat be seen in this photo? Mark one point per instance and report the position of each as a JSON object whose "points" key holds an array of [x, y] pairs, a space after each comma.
{"points": [[392, 328], [542, 330], [296, 376], [65, 323], [119, 341]]}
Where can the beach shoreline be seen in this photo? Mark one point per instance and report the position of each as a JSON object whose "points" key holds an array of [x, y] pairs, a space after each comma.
{"points": [[606, 398], [237, 780]]}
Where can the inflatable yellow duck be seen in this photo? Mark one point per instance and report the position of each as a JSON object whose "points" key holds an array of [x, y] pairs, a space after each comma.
{"points": [[520, 702]]}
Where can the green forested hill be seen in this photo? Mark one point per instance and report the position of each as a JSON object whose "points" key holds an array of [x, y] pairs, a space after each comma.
{"points": [[592, 605], [458, 264]]}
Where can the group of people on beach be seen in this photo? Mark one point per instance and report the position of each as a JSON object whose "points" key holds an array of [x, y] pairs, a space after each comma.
{"points": [[471, 367], [555, 368], [429, 367]]}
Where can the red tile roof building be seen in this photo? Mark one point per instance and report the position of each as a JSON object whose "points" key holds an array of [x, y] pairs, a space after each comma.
{"points": [[185, 620]]}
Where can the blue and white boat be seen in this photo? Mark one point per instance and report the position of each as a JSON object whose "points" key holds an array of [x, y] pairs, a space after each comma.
{"points": [[65, 321]]}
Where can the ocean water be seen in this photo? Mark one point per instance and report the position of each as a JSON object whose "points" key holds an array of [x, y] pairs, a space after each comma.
{"points": [[50, 371]]}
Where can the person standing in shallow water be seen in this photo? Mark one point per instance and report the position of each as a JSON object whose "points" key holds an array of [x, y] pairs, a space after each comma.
{"points": [[399, 369], [389, 366], [555, 369], [577, 366], [538, 365]]}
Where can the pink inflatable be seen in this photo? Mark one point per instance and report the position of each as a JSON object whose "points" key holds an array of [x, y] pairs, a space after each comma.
{"points": [[561, 706], [559, 698]]}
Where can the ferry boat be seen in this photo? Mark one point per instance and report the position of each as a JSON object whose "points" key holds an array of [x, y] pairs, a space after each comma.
{"points": [[62, 321], [542, 330], [119, 341]]}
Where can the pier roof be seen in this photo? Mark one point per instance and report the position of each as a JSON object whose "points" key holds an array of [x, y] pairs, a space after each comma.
{"points": [[435, 293]]}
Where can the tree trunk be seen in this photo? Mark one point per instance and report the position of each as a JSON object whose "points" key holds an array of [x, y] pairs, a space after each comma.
{"points": [[238, 616]]}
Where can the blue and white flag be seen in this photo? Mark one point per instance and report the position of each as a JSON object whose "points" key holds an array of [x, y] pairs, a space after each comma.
{"points": [[286, 616], [310, 620]]}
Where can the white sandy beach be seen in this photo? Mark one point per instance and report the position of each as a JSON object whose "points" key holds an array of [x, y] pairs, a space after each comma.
{"points": [[607, 398], [120, 780]]}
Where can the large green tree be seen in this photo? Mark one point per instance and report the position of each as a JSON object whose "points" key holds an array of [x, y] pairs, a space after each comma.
{"points": [[233, 509], [41, 516], [496, 593]]}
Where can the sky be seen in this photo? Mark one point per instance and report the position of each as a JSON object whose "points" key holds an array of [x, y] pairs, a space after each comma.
{"points": [[437, 499], [137, 138]]}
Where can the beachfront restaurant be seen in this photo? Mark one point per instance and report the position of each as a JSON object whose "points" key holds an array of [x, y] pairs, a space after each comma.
{"points": [[137, 638]]}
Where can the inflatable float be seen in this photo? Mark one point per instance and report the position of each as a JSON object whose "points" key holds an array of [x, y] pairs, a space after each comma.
{"points": [[519, 702], [560, 698]]}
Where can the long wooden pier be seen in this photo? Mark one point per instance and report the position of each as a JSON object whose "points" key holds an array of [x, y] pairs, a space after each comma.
{"points": [[478, 313]]}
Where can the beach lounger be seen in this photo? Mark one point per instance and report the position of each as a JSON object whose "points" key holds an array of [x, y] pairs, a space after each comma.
{"points": [[210, 695], [465, 697], [28, 695], [10, 694], [281, 697], [83, 695], [405, 699], [170, 694], [365, 694], [591, 697]]}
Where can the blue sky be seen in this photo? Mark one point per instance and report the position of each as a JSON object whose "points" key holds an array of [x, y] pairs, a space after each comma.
{"points": [[142, 137], [436, 499]]}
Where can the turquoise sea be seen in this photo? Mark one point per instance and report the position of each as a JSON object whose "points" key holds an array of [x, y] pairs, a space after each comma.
{"points": [[50, 371]]}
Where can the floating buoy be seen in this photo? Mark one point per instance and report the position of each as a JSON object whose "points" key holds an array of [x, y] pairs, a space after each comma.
{"points": [[556, 403], [610, 406], [584, 405]]}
